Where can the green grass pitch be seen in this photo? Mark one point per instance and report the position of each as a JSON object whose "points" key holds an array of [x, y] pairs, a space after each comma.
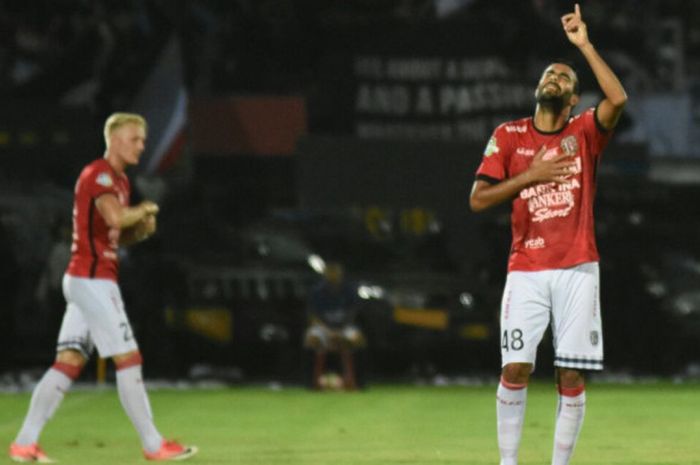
{"points": [[646, 424]]}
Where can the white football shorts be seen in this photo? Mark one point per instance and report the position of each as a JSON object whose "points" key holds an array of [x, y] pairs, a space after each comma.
{"points": [[95, 316], [570, 299]]}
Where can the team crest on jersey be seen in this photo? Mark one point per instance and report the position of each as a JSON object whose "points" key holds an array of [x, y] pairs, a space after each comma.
{"points": [[569, 145], [491, 147], [104, 179], [595, 338]]}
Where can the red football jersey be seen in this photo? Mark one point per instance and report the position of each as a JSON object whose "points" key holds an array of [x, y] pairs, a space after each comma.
{"points": [[552, 224], [94, 249]]}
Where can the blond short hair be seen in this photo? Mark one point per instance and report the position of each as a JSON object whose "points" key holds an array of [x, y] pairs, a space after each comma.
{"points": [[117, 120]]}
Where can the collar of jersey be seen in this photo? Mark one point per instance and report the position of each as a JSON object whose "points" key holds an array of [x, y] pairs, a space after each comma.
{"points": [[548, 133]]}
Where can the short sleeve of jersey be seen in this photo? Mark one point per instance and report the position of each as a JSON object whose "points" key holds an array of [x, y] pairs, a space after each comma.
{"points": [[597, 136], [101, 181], [493, 164]]}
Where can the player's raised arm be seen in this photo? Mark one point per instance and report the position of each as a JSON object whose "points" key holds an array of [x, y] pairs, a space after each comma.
{"points": [[485, 195], [610, 109]]}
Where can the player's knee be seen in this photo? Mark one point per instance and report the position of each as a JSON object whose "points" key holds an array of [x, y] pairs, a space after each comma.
{"points": [[569, 378], [128, 360], [70, 363], [71, 357], [516, 373]]}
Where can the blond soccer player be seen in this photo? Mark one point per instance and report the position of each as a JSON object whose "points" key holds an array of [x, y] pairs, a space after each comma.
{"points": [[95, 314]]}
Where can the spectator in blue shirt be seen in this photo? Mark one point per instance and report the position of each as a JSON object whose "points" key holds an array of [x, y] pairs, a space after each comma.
{"points": [[332, 309]]}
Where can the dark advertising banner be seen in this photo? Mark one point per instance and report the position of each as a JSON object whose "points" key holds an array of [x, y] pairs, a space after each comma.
{"points": [[430, 97], [450, 82]]}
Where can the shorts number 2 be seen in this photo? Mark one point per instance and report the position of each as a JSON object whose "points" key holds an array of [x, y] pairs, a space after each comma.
{"points": [[127, 331]]}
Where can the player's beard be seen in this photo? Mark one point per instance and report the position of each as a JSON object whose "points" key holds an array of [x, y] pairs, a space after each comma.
{"points": [[552, 102]]}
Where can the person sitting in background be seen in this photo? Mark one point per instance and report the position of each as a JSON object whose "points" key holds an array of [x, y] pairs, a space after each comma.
{"points": [[332, 310]]}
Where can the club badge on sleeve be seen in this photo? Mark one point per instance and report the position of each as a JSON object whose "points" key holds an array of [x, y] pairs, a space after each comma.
{"points": [[104, 179], [491, 147]]}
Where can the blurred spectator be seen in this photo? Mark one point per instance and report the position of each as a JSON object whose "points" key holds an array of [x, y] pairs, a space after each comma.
{"points": [[333, 306]]}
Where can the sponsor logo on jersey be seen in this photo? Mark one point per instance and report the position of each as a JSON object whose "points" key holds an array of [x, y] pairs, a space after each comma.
{"points": [[104, 179], [513, 128], [525, 152], [535, 243], [577, 168], [491, 147], [551, 205], [547, 201], [569, 145], [550, 153]]}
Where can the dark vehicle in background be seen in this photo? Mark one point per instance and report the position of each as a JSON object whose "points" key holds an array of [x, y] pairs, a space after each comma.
{"points": [[650, 277], [418, 311]]}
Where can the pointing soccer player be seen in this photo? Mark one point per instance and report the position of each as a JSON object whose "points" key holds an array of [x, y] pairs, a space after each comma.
{"points": [[546, 165], [95, 315]]}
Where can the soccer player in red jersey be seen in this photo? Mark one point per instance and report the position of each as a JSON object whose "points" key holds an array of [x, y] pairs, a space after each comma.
{"points": [[95, 315], [546, 165]]}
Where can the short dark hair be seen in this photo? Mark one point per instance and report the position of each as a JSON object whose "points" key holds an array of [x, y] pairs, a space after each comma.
{"points": [[570, 64]]}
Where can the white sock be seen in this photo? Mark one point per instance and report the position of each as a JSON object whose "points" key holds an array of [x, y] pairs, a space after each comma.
{"points": [[510, 413], [46, 398], [132, 394], [570, 413]]}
